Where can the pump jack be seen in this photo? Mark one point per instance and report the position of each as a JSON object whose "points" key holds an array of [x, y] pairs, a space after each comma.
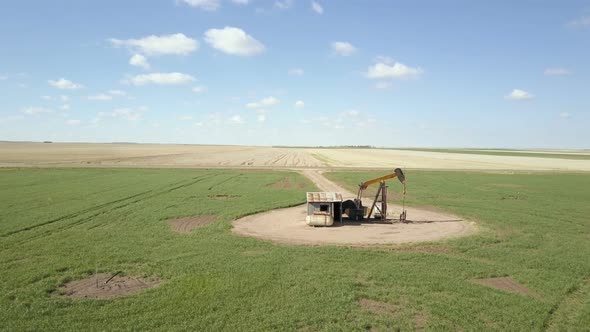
{"points": [[356, 211]]}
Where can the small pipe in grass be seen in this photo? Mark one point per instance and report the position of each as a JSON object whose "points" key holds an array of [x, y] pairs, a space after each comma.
{"points": [[109, 279]]}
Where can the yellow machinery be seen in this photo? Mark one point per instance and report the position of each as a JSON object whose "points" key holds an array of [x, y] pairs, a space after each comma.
{"points": [[357, 211]]}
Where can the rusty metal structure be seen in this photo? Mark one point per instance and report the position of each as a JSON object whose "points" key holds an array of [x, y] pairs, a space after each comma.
{"points": [[359, 212]]}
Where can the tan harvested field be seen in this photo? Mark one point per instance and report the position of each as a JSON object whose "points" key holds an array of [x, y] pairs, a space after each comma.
{"points": [[169, 155]]}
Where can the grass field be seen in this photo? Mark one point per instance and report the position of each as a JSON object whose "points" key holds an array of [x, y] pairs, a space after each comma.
{"points": [[60, 224]]}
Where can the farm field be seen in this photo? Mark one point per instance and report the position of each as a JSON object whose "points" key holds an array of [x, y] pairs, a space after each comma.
{"points": [[166, 155], [60, 225]]}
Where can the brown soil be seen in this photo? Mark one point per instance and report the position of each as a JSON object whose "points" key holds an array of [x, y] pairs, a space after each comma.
{"points": [[118, 286], [379, 308], [288, 225], [285, 183], [505, 284], [186, 225]]}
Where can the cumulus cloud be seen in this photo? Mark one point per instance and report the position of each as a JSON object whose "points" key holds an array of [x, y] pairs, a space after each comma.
{"points": [[139, 60], [557, 71], [518, 94], [234, 41], [582, 22], [316, 7], [383, 70], [73, 122], [261, 116], [199, 89], [208, 5], [283, 4], [100, 97], [240, 2], [565, 115], [236, 119], [343, 48], [296, 72], [382, 85], [117, 92], [64, 84], [125, 113], [178, 44], [299, 104], [161, 78], [264, 102], [35, 110]]}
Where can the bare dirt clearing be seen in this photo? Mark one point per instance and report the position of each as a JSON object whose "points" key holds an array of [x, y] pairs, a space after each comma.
{"points": [[100, 287], [288, 225], [170, 155], [186, 225], [506, 284]]}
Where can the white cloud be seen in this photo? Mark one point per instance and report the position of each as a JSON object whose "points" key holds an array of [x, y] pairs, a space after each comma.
{"points": [[283, 4], [73, 122], [581, 22], [3, 77], [199, 89], [236, 119], [159, 45], [343, 48], [299, 104], [47, 97], [161, 78], [139, 60], [316, 7], [35, 110], [265, 102], [382, 70], [557, 71], [185, 117], [65, 107], [234, 41], [208, 5], [518, 94], [64, 98], [127, 114], [382, 85], [351, 113], [565, 115], [64, 84], [100, 97], [240, 2], [296, 72], [261, 117], [118, 92]]}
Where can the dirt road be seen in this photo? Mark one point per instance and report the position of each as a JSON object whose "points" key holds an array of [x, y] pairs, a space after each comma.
{"points": [[288, 225]]}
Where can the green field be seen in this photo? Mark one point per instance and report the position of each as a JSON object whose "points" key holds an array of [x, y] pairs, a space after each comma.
{"points": [[59, 224]]}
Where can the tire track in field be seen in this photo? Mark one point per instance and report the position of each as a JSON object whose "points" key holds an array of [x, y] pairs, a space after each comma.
{"points": [[571, 302], [101, 209]]}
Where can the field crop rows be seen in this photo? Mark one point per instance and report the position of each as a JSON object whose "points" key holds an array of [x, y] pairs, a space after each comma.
{"points": [[59, 225]]}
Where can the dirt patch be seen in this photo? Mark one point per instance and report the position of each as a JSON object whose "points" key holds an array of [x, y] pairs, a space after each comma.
{"points": [[506, 284], [420, 321], [186, 225], [289, 226], [379, 308], [286, 183], [105, 286]]}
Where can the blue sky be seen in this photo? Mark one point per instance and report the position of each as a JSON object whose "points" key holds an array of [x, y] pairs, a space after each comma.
{"points": [[511, 74]]}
